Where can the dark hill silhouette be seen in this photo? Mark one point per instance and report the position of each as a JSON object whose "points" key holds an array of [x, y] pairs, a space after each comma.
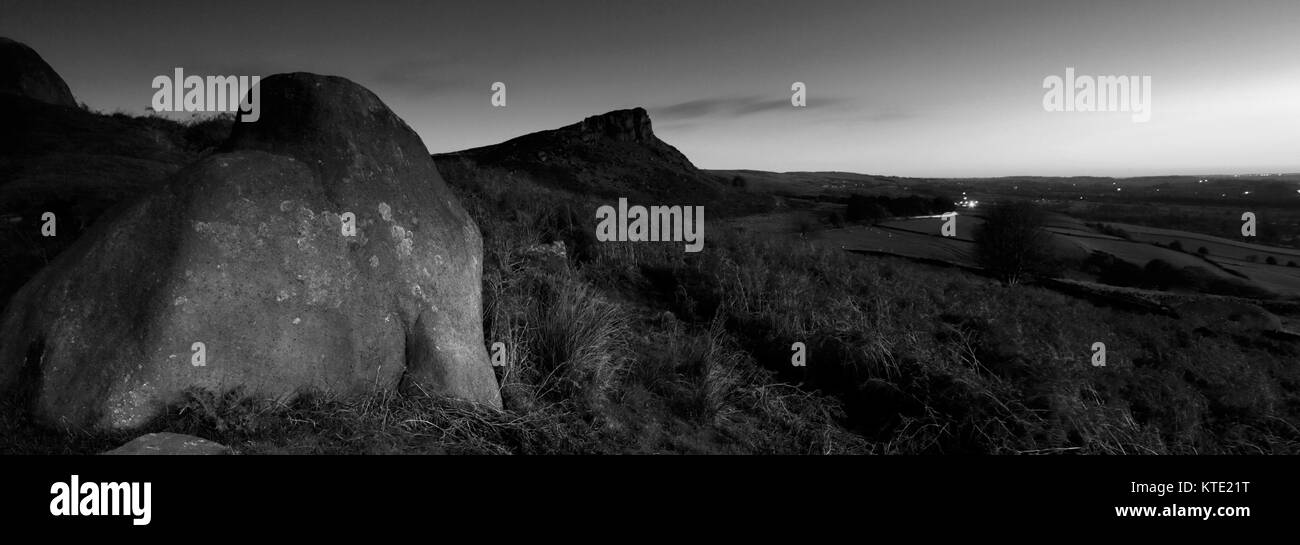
{"points": [[25, 73], [55, 157], [70, 161], [611, 155]]}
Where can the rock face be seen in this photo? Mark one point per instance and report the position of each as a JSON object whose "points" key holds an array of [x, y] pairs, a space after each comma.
{"points": [[23, 72], [622, 125], [237, 273], [169, 444]]}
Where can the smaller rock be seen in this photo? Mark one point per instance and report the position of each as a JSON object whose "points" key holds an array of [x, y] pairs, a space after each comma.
{"points": [[551, 257], [554, 249], [170, 443]]}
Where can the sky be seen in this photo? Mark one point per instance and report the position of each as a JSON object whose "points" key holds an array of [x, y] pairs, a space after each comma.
{"points": [[906, 88]]}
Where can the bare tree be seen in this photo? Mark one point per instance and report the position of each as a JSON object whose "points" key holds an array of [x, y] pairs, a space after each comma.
{"points": [[1014, 244]]}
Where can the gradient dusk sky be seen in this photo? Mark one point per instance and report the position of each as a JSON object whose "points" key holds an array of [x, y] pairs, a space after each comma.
{"points": [[908, 88]]}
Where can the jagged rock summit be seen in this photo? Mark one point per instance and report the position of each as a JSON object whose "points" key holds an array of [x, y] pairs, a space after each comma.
{"points": [[615, 154], [620, 137], [23, 72], [632, 125], [239, 273]]}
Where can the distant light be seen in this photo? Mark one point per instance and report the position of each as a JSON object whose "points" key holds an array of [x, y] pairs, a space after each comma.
{"points": [[1245, 192], [1119, 189]]}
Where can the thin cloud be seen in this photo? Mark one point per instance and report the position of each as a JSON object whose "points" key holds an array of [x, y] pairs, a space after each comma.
{"points": [[758, 107], [884, 117], [694, 114], [693, 108], [736, 106], [418, 77]]}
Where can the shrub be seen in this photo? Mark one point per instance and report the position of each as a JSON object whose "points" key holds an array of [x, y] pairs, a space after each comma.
{"points": [[698, 373], [872, 208], [865, 211], [203, 133], [1161, 274], [1111, 230], [563, 340], [1013, 242], [581, 337], [1113, 271]]}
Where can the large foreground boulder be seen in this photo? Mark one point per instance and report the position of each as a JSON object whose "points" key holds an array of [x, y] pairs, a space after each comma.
{"points": [[237, 274], [25, 73]]}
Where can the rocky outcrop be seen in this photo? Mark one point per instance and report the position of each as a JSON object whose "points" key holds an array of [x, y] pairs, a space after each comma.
{"points": [[631, 125], [612, 155], [24, 73], [619, 140], [241, 272]]}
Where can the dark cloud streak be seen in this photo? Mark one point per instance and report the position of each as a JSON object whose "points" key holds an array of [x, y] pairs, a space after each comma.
{"points": [[423, 76], [737, 106]]}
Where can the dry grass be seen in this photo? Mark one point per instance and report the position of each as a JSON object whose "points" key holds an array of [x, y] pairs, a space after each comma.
{"points": [[642, 348]]}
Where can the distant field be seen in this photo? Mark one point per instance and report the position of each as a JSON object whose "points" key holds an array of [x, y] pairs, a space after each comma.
{"points": [[966, 226], [1218, 247], [1225, 258], [826, 183], [919, 238], [1282, 280], [905, 243], [1231, 254]]}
